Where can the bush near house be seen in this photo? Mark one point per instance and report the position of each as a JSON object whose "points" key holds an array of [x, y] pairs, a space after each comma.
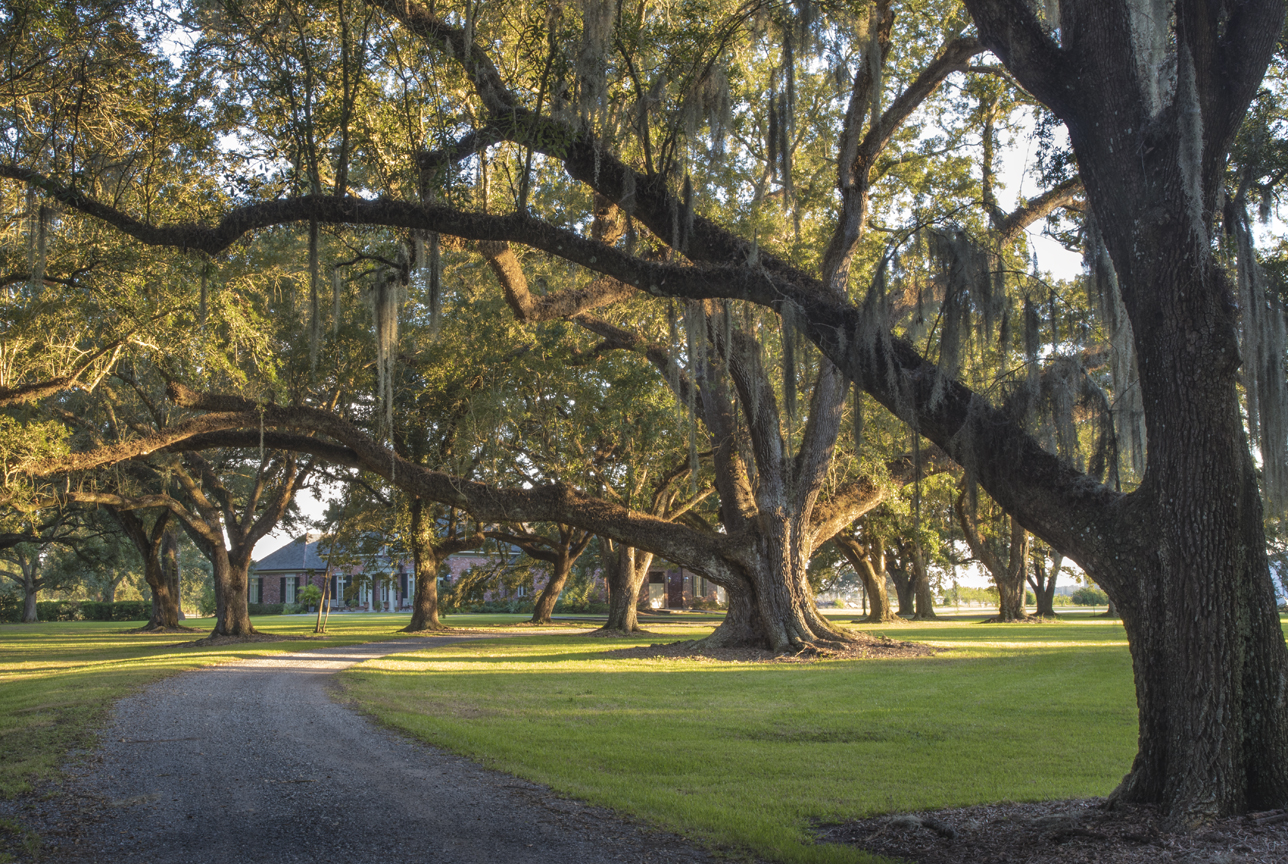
{"points": [[1089, 595], [121, 610], [75, 610], [59, 610], [10, 608]]}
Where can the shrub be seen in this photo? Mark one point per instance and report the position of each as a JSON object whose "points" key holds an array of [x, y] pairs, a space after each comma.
{"points": [[92, 610], [265, 608], [309, 595], [512, 607], [11, 608], [1089, 595], [206, 603], [58, 610], [581, 607], [122, 610], [131, 610]]}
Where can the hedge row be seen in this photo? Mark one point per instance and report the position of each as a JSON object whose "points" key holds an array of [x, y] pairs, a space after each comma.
{"points": [[276, 608], [75, 610]]}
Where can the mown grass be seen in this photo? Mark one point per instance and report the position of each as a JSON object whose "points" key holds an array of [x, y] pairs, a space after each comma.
{"points": [[57, 680], [751, 756]]}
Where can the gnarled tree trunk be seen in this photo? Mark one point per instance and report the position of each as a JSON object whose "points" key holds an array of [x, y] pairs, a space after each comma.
{"points": [[1043, 584], [625, 569], [1008, 576], [868, 562], [921, 584], [428, 554]]}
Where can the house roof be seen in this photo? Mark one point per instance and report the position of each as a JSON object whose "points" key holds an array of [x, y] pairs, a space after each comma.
{"points": [[299, 555]]}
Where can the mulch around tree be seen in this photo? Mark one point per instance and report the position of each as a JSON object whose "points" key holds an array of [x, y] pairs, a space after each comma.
{"points": [[867, 647], [218, 641], [165, 631], [1062, 832]]}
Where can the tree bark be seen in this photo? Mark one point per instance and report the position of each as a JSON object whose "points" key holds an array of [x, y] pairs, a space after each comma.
{"points": [[1183, 557], [30, 588], [625, 569], [905, 588], [1044, 585], [424, 604], [1008, 576], [171, 569], [921, 585], [558, 553], [559, 569], [428, 554], [868, 562], [150, 544]]}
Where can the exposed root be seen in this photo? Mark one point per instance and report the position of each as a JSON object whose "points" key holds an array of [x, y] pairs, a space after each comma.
{"points": [[617, 633], [163, 630], [870, 648], [213, 641], [429, 628], [1063, 832]]}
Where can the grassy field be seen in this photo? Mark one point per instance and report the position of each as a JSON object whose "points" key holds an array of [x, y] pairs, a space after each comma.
{"points": [[750, 756], [742, 756], [58, 680]]}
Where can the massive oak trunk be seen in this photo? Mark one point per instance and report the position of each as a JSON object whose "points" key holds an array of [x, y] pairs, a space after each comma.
{"points": [[774, 607], [1152, 106], [625, 569], [868, 562], [171, 569], [905, 588], [162, 581], [424, 604], [1008, 575], [559, 569], [1043, 583], [428, 554], [29, 591], [232, 612], [921, 585], [1196, 598]]}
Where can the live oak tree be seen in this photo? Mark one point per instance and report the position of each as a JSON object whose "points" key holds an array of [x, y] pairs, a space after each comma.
{"points": [[1152, 98]]}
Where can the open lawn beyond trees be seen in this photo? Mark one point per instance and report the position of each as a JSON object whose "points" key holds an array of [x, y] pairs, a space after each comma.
{"points": [[750, 756]]}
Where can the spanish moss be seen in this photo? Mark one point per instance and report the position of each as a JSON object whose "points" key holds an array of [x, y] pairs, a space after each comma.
{"points": [[789, 359], [204, 299], [42, 251], [384, 299], [337, 287], [1265, 384], [433, 279], [686, 223], [315, 304]]}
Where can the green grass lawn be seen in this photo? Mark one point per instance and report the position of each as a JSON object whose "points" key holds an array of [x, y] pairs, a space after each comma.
{"points": [[738, 755], [750, 756], [57, 680]]}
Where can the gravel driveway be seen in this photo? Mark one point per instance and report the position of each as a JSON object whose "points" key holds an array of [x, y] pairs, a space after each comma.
{"points": [[252, 761]]}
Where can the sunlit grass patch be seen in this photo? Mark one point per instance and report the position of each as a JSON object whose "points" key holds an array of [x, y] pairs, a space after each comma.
{"points": [[749, 755]]}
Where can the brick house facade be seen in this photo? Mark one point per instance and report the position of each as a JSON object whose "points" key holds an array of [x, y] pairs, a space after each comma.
{"points": [[279, 576]]}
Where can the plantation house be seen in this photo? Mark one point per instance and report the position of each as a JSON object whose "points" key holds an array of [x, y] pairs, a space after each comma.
{"points": [[380, 582]]}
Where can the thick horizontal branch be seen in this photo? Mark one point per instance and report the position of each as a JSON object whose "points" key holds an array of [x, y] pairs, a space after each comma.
{"points": [[711, 555], [1037, 208]]}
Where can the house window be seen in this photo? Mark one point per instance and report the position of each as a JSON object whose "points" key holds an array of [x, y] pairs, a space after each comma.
{"points": [[289, 584], [657, 590], [255, 590]]}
